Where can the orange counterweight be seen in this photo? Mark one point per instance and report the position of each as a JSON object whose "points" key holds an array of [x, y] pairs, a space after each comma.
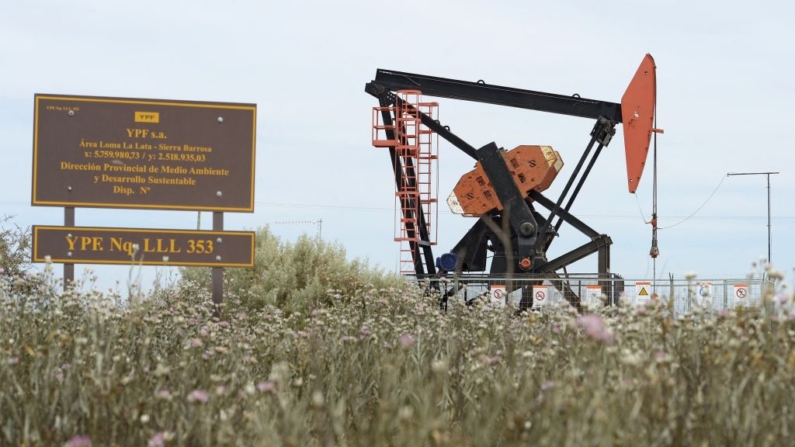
{"points": [[532, 167]]}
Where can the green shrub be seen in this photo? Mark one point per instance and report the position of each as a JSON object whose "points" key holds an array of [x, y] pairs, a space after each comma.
{"points": [[294, 276], [15, 259], [15, 246]]}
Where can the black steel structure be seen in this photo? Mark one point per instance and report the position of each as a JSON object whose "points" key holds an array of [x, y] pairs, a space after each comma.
{"points": [[519, 236]]}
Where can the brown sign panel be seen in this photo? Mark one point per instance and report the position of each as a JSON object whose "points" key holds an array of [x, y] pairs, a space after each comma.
{"points": [[84, 245], [140, 153]]}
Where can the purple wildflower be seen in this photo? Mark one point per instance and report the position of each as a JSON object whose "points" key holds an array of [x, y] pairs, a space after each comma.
{"points": [[163, 394], [198, 396], [547, 385], [407, 340], [79, 441], [266, 386], [491, 360], [595, 328], [158, 440]]}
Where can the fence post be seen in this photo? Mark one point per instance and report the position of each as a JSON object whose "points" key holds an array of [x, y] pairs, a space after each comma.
{"points": [[672, 292], [725, 295]]}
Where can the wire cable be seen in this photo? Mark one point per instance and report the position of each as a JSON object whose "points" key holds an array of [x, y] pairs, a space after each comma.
{"points": [[699, 208], [642, 215]]}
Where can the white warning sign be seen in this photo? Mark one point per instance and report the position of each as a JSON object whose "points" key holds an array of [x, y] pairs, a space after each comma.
{"points": [[642, 292], [498, 295], [742, 293], [704, 293], [593, 295], [540, 296]]}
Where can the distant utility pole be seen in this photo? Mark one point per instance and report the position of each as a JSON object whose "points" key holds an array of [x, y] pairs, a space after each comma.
{"points": [[318, 222], [769, 244]]}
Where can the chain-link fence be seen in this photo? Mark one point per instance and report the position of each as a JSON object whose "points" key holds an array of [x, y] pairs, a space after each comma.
{"points": [[715, 294]]}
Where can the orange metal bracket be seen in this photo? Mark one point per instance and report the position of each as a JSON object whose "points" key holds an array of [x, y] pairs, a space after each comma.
{"points": [[637, 112]]}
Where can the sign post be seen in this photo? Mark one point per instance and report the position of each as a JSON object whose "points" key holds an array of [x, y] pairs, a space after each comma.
{"points": [[143, 154], [218, 272], [68, 267]]}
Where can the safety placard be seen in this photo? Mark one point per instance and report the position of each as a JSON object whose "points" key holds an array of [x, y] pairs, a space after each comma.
{"points": [[540, 296], [642, 292], [704, 293], [593, 295], [498, 295], [741, 293]]}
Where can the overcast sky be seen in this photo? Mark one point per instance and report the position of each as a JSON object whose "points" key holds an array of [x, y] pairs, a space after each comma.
{"points": [[725, 94]]}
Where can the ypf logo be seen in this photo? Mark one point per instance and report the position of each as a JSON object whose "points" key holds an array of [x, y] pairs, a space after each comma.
{"points": [[147, 117]]}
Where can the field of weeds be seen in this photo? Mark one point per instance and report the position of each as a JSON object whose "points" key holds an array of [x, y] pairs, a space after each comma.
{"points": [[387, 367]]}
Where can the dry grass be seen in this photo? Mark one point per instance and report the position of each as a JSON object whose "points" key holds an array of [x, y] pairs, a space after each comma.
{"points": [[386, 367]]}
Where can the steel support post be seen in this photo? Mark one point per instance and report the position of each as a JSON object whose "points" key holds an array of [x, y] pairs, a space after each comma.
{"points": [[218, 272], [68, 268]]}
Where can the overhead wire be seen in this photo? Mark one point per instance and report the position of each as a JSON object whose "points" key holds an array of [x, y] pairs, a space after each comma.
{"points": [[699, 208], [640, 208], [442, 211], [643, 215]]}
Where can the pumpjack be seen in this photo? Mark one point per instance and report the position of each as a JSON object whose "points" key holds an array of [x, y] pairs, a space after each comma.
{"points": [[505, 189]]}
